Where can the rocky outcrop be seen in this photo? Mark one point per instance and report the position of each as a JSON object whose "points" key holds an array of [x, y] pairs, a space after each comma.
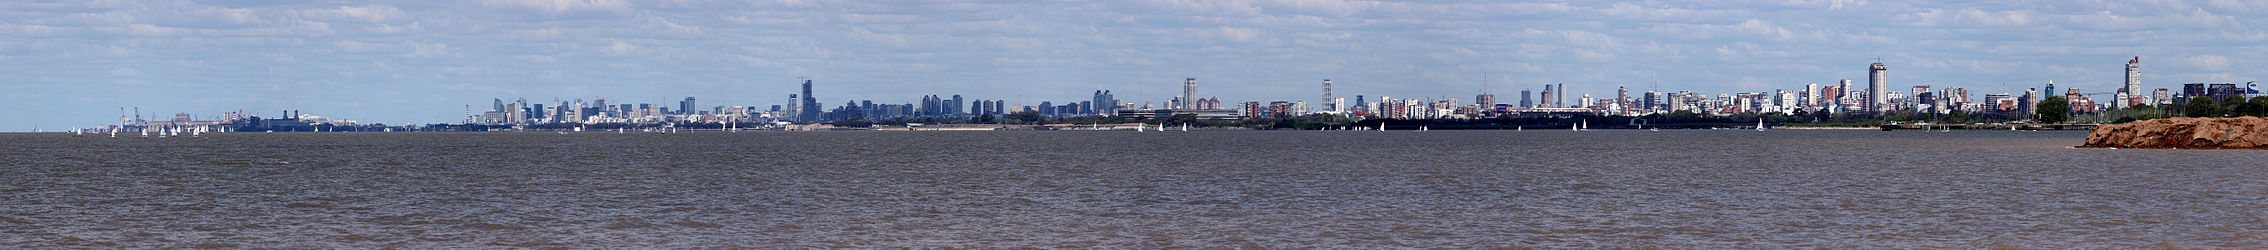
{"points": [[2198, 133]]}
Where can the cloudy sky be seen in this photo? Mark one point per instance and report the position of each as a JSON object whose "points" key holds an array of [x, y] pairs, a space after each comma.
{"points": [[74, 63]]}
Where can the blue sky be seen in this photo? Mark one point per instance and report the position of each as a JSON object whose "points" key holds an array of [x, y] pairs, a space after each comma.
{"points": [[74, 63]]}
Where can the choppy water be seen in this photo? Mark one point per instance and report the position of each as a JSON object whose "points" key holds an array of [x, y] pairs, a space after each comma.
{"points": [[1452, 189]]}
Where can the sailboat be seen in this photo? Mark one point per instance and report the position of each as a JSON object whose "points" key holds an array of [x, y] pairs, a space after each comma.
{"points": [[1184, 127], [113, 132], [76, 132], [145, 131], [1138, 127], [1759, 124], [1423, 128], [1381, 126]]}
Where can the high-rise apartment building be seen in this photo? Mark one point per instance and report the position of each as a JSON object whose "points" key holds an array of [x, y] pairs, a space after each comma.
{"points": [[2133, 82], [1878, 83]]}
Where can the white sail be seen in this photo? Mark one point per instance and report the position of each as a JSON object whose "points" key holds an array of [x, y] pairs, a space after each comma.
{"points": [[1184, 127], [1759, 124]]}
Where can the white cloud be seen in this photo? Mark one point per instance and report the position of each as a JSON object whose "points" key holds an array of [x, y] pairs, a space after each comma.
{"points": [[561, 8], [368, 14], [427, 50], [2211, 62], [359, 47], [620, 48]]}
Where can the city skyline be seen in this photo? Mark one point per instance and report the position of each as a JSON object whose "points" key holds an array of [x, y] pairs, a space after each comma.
{"points": [[421, 63]]}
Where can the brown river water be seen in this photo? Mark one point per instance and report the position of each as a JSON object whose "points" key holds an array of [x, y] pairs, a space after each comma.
{"points": [[1125, 189]]}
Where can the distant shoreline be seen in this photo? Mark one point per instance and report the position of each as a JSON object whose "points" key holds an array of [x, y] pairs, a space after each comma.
{"points": [[1828, 128]]}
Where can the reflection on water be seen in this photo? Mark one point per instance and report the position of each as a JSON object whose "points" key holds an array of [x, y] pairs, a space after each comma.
{"points": [[1449, 189]]}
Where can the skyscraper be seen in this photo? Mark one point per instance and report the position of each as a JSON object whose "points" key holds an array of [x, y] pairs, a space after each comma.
{"points": [[955, 108], [1546, 100], [2133, 82], [686, 106], [1188, 93], [1810, 96], [2050, 90], [810, 110], [1560, 99], [1328, 105], [1526, 99], [1878, 82]]}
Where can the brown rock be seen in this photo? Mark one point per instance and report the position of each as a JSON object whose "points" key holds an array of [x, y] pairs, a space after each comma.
{"points": [[2200, 133]]}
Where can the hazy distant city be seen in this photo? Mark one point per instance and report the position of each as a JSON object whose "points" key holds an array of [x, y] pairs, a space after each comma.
{"points": [[1874, 95]]}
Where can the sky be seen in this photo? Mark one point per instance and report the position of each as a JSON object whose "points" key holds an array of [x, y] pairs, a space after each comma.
{"points": [[76, 63]]}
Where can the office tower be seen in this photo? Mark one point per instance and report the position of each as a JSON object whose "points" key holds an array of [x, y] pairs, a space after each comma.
{"points": [[1097, 98], [1621, 94], [1560, 100], [686, 106], [1188, 92], [794, 110], [1651, 100], [1047, 108], [1112, 106], [1527, 99], [2050, 90], [810, 111], [1878, 84], [1328, 105], [1546, 100], [2133, 82], [955, 109], [499, 106]]}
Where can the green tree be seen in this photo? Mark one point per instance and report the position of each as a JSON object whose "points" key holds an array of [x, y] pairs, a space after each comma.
{"points": [[2054, 109], [1027, 117], [854, 122], [2202, 107], [2257, 107]]}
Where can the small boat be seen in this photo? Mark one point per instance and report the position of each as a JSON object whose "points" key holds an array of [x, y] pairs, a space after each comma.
{"points": [[1184, 127], [1759, 124]]}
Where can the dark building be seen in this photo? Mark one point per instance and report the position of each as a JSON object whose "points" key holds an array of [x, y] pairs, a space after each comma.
{"points": [[686, 106], [811, 107]]}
